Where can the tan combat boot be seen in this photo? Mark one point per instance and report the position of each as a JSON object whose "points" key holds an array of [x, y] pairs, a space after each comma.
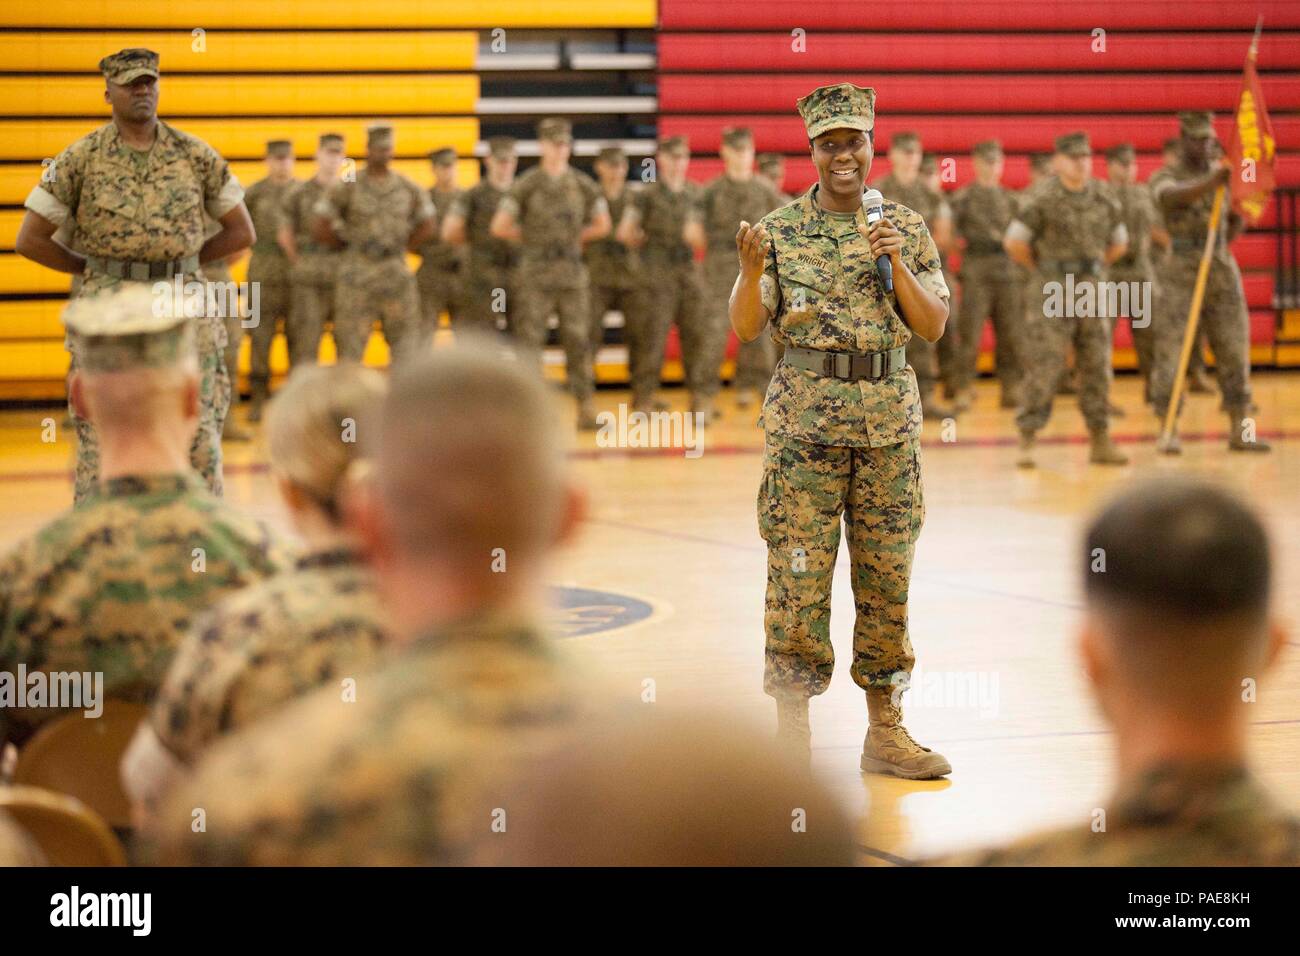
{"points": [[1237, 431], [792, 728], [890, 749], [1103, 450], [587, 415], [1026, 456]]}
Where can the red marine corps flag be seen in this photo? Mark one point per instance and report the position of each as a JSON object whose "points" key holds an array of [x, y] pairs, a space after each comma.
{"points": [[1251, 147]]}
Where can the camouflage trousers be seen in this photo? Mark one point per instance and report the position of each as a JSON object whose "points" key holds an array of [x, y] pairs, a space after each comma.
{"points": [[632, 303], [990, 289], [1144, 336], [487, 298], [273, 308], [1224, 318], [756, 360], [214, 404], [439, 292], [677, 296], [806, 491], [1047, 342], [572, 307], [370, 289], [311, 305]]}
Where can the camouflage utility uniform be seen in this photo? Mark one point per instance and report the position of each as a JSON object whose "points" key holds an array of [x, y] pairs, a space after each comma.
{"points": [[724, 204], [311, 278], [673, 282], [1139, 215], [1170, 815], [493, 264], [1224, 316], [410, 773], [140, 217], [1069, 233], [375, 216], [112, 585], [551, 212], [990, 285], [930, 360], [269, 267], [268, 644], [438, 278], [617, 284]]}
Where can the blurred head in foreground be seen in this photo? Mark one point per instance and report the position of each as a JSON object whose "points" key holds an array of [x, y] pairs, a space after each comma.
{"points": [[313, 428], [471, 487], [1177, 581], [684, 789]]}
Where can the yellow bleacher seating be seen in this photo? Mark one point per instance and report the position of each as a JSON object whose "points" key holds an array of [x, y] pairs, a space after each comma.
{"points": [[293, 94], [9, 220], [17, 179], [222, 51], [338, 14], [416, 136]]}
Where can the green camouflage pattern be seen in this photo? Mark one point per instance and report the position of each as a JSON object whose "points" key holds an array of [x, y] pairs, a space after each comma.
{"points": [[112, 585], [610, 264], [438, 278], [991, 287], [269, 267], [842, 106], [1066, 226], [122, 205], [551, 212], [267, 645], [126, 65], [375, 215], [807, 490], [492, 263], [552, 279], [1138, 211], [311, 278], [821, 288], [410, 773], [674, 276], [1170, 815], [928, 359], [724, 204], [16, 847]]}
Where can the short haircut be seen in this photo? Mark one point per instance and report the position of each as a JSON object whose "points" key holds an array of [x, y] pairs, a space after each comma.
{"points": [[469, 454], [1179, 549]]}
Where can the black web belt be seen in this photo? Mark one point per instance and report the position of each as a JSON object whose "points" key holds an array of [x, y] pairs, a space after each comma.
{"points": [[849, 366]]}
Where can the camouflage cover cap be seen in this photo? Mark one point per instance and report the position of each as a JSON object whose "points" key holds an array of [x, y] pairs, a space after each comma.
{"points": [[770, 161], [990, 150], [1196, 123], [1121, 153], [279, 147], [379, 134], [674, 145], [737, 136], [501, 147], [905, 140], [126, 65], [331, 141], [611, 154], [843, 106], [1073, 144], [555, 129], [130, 327], [443, 157]]}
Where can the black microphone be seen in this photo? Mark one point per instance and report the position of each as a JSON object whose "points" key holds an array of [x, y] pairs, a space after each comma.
{"points": [[873, 204]]}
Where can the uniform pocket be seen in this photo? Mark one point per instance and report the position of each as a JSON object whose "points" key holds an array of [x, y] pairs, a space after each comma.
{"points": [[804, 288], [771, 518], [918, 492]]}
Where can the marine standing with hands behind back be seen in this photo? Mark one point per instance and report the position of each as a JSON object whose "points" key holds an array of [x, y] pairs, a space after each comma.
{"points": [[135, 192], [843, 423]]}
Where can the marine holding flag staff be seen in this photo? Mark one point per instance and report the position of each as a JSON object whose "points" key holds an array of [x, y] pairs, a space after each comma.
{"points": [[842, 420]]}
